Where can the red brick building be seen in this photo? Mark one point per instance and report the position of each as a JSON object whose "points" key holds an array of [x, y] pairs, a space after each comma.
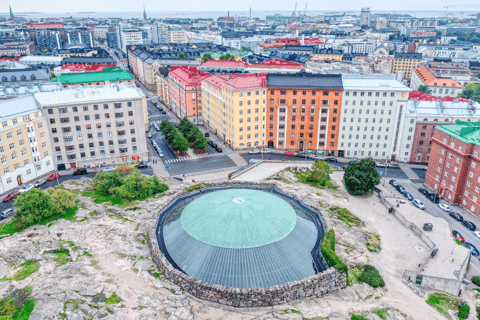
{"points": [[454, 166], [303, 112]]}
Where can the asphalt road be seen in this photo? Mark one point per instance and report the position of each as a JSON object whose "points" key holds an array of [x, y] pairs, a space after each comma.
{"points": [[434, 210]]}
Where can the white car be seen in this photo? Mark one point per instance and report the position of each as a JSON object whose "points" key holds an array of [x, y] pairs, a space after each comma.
{"points": [[254, 160], [444, 207], [419, 204], [477, 234], [26, 188], [254, 151], [108, 169], [38, 183], [267, 150], [382, 164], [318, 158]]}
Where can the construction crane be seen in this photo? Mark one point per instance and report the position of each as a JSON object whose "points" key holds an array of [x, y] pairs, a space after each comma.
{"points": [[446, 8], [294, 12], [305, 12]]}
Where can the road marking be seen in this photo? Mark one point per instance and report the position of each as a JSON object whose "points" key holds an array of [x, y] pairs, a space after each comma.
{"points": [[195, 157], [399, 180]]}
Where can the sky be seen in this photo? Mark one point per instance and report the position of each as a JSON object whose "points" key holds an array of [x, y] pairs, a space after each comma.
{"points": [[222, 5]]}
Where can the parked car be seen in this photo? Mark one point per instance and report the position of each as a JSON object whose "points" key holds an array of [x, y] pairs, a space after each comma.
{"points": [[163, 112], [302, 155], [477, 234], [433, 197], [108, 169], [394, 165], [53, 176], [472, 248], [254, 160], [444, 207], [254, 151], [80, 172], [455, 216], [394, 183], [331, 159], [352, 161], [266, 150], [469, 225], [457, 235], [423, 191], [400, 189], [419, 204], [12, 195], [289, 153], [159, 151], [218, 149], [382, 164], [38, 183], [318, 158], [6, 213], [141, 165], [207, 134], [26, 188], [408, 196], [149, 135]]}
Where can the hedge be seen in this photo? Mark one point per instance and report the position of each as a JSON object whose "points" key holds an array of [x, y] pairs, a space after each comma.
{"points": [[372, 277], [327, 248]]}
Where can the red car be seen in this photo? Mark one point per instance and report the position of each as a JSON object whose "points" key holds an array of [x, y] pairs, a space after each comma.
{"points": [[458, 236], [53, 176], [289, 153], [12, 195]]}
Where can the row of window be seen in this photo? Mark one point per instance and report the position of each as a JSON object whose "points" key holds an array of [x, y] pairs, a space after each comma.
{"points": [[91, 145], [369, 103], [367, 111], [310, 143], [283, 102], [362, 153], [87, 117], [366, 120], [89, 126], [25, 118], [28, 172], [302, 119], [369, 94], [64, 110], [90, 135], [22, 143], [83, 155], [304, 92]]}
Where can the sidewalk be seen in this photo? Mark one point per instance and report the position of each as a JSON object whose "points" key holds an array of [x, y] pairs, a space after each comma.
{"points": [[406, 168]]}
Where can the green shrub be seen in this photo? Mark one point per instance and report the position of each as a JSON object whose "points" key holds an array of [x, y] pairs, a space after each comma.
{"points": [[372, 277], [476, 280], [17, 305], [327, 248], [463, 312], [357, 317], [478, 312]]}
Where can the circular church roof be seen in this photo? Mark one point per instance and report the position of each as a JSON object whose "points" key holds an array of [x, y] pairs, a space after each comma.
{"points": [[238, 219]]}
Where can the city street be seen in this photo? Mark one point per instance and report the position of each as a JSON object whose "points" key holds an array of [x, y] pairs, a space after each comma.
{"points": [[434, 210]]}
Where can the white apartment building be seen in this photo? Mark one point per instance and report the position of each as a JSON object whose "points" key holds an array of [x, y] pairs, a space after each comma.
{"points": [[159, 33], [100, 31], [127, 36], [204, 38], [177, 35], [373, 111], [232, 43], [96, 125], [25, 152]]}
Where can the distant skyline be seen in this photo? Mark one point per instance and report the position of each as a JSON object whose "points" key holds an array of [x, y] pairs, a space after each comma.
{"points": [[60, 6]]}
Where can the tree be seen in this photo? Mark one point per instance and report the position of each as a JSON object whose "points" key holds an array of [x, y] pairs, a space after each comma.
{"points": [[227, 56], [179, 143], [471, 91], [424, 89], [105, 181], [33, 206], [361, 177], [206, 57], [320, 172], [62, 199], [200, 141], [182, 56], [138, 186]]}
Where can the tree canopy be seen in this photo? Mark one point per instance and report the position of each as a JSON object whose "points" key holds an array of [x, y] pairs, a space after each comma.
{"points": [[424, 89], [471, 91], [206, 57], [33, 206], [361, 177]]}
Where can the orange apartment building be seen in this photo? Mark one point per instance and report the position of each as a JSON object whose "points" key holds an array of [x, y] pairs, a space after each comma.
{"points": [[303, 112], [185, 92]]}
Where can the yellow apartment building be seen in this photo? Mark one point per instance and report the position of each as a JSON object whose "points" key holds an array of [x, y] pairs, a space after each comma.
{"points": [[234, 108], [328, 54], [406, 62]]}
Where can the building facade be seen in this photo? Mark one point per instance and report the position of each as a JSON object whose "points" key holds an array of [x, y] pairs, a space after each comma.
{"points": [[373, 109], [454, 166], [439, 87], [25, 150], [405, 63], [303, 112], [234, 108], [89, 126]]}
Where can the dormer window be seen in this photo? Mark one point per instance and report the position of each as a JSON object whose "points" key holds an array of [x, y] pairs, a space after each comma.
{"points": [[32, 77], [23, 78], [4, 79], [13, 78]]}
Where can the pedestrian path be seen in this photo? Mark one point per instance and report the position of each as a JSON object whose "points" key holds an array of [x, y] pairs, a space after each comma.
{"points": [[399, 180], [200, 156]]}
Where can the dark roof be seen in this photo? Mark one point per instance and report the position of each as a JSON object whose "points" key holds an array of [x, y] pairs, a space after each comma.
{"points": [[327, 51], [23, 75], [88, 60], [304, 80], [299, 48], [408, 56]]}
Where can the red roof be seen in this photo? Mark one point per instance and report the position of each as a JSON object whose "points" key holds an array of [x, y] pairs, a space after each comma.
{"points": [[429, 78], [417, 95], [37, 26], [223, 63], [9, 59], [188, 76], [86, 67], [239, 81], [298, 41]]}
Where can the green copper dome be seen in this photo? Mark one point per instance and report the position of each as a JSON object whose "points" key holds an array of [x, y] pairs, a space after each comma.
{"points": [[238, 218]]}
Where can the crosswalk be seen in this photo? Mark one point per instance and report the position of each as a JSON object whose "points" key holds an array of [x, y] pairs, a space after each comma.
{"points": [[399, 180], [200, 156]]}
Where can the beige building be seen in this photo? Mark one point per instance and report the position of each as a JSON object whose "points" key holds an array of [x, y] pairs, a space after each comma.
{"points": [[406, 62], [96, 125], [25, 151], [161, 82], [177, 35], [234, 108]]}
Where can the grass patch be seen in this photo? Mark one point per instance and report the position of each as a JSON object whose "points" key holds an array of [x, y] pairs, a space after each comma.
{"points": [[357, 317], [345, 215], [355, 275], [442, 303], [119, 216], [372, 277], [373, 242], [113, 299], [17, 306], [327, 248], [93, 214], [195, 187], [157, 274], [62, 256], [86, 254], [28, 268], [306, 178], [14, 225], [99, 198], [381, 313]]}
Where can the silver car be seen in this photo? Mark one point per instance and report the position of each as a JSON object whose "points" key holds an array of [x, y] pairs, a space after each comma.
{"points": [[417, 203]]}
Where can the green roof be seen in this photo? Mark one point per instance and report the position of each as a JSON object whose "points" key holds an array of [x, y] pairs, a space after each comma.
{"points": [[238, 218], [468, 132], [108, 74]]}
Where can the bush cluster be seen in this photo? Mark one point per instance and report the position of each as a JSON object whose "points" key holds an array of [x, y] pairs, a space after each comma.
{"points": [[476, 280], [173, 137], [463, 312], [127, 183], [192, 134], [361, 177], [327, 248], [372, 277]]}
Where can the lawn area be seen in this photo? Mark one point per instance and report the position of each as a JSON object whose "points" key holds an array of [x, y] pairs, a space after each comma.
{"points": [[99, 198], [28, 268], [62, 256], [305, 178], [14, 225], [442, 302], [17, 306], [345, 215]]}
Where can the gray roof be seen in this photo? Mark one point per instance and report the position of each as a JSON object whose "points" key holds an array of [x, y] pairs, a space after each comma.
{"points": [[299, 48], [18, 106], [303, 80], [8, 76], [408, 56]]}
